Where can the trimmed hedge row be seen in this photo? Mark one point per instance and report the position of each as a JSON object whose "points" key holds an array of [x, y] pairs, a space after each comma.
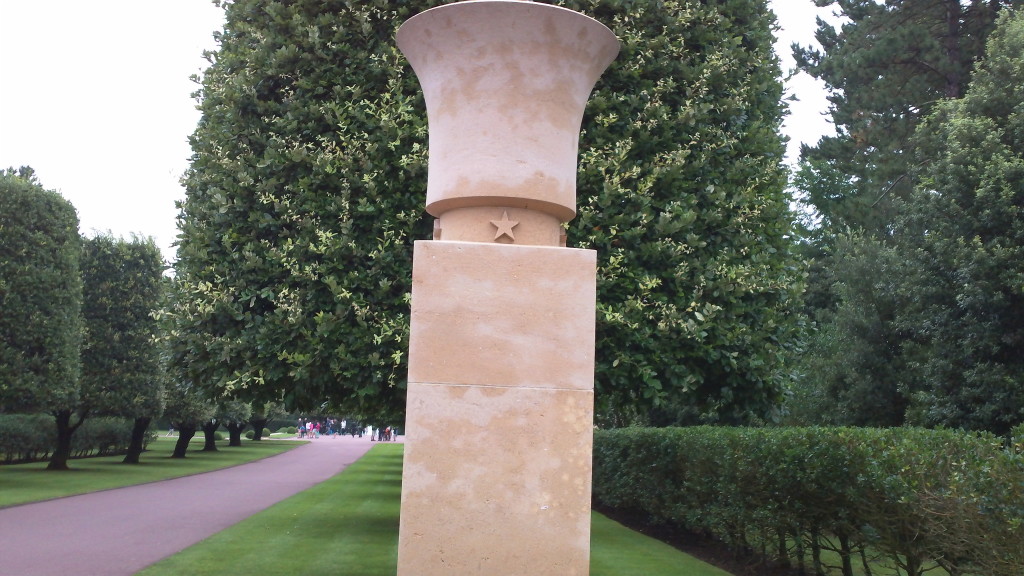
{"points": [[923, 498], [32, 437]]}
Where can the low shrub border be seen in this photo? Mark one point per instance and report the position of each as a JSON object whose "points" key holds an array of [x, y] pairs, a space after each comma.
{"points": [[33, 437], [924, 498]]}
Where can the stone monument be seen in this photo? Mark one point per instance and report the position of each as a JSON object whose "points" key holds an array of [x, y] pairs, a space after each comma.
{"points": [[499, 427]]}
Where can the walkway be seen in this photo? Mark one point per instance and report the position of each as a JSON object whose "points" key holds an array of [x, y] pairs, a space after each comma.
{"points": [[119, 532]]}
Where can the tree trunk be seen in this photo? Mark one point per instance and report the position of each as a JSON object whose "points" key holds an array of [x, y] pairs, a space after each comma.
{"points": [[135, 447], [258, 424], [914, 565], [819, 570], [209, 429], [186, 431], [846, 554], [235, 430], [801, 553], [65, 431], [864, 561], [782, 549], [954, 57]]}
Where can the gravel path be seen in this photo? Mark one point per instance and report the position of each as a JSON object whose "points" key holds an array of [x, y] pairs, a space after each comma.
{"points": [[119, 532]]}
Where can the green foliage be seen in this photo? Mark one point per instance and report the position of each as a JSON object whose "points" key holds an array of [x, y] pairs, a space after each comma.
{"points": [[681, 193], [307, 188], [913, 289], [855, 373], [964, 232], [122, 372], [32, 437], [268, 411], [234, 412], [25, 437], [349, 525], [186, 407], [40, 296], [921, 497], [303, 196], [885, 67]]}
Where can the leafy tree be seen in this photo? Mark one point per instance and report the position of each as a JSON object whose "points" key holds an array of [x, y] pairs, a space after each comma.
{"points": [[122, 373], [263, 413], [306, 190], [41, 300], [681, 193], [965, 232], [886, 67], [856, 374], [187, 410], [235, 415]]}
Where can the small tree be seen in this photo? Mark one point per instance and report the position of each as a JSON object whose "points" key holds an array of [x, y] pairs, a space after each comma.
{"points": [[40, 300], [187, 410], [263, 413], [235, 415], [122, 373]]}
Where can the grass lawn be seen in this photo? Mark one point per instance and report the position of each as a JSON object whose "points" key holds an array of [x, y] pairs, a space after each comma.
{"points": [[22, 483], [348, 525]]}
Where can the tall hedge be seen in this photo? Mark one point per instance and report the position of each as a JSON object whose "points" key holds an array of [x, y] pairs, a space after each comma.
{"points": [[40, 297], [31, 437], [923, 498], [307, 188]]}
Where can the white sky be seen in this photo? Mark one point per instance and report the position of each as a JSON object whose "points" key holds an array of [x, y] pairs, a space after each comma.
{"points": [[96, 97]]}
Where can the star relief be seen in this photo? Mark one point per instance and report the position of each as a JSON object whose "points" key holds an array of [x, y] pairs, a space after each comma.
{"points": [[505, 226]]}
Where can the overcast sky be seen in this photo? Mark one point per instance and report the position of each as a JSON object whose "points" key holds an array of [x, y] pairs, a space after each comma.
{"points": [[96, 97]]}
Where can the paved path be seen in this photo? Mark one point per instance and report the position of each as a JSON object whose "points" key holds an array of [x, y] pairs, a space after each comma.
{"points": [[119, 532]]}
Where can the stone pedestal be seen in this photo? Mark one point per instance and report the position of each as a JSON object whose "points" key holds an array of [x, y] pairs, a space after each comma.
{"points": [[500, 412], [499, 425]]}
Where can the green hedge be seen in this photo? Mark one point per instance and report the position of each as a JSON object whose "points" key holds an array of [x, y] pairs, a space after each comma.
{"points": [[923, 498], [32, 437]]}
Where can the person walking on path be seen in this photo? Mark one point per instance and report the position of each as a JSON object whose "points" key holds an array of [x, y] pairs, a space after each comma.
{"points": [[119, 532]]}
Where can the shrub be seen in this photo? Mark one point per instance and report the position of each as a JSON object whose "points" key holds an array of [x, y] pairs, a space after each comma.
{"points": [[102, 436], [955, 499], [32, 437], [26, 437]]}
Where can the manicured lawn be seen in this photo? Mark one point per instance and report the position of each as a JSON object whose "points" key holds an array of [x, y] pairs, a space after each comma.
{"points": [[22, 483], [348, 525], [618, 551]]}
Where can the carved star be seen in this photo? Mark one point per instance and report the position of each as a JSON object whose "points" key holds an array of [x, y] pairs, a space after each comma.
{"points": [[505, 226]]}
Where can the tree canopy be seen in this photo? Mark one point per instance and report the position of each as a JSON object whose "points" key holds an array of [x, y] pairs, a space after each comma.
{"points": [[886, 66], [40, 295], [123, 373], [307, 184], [919, 323], [964, 231], [122, 287], [681, 192]]}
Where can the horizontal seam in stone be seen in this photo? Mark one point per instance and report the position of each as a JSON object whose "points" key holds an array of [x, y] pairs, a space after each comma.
{"points": [[506, 386]]}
